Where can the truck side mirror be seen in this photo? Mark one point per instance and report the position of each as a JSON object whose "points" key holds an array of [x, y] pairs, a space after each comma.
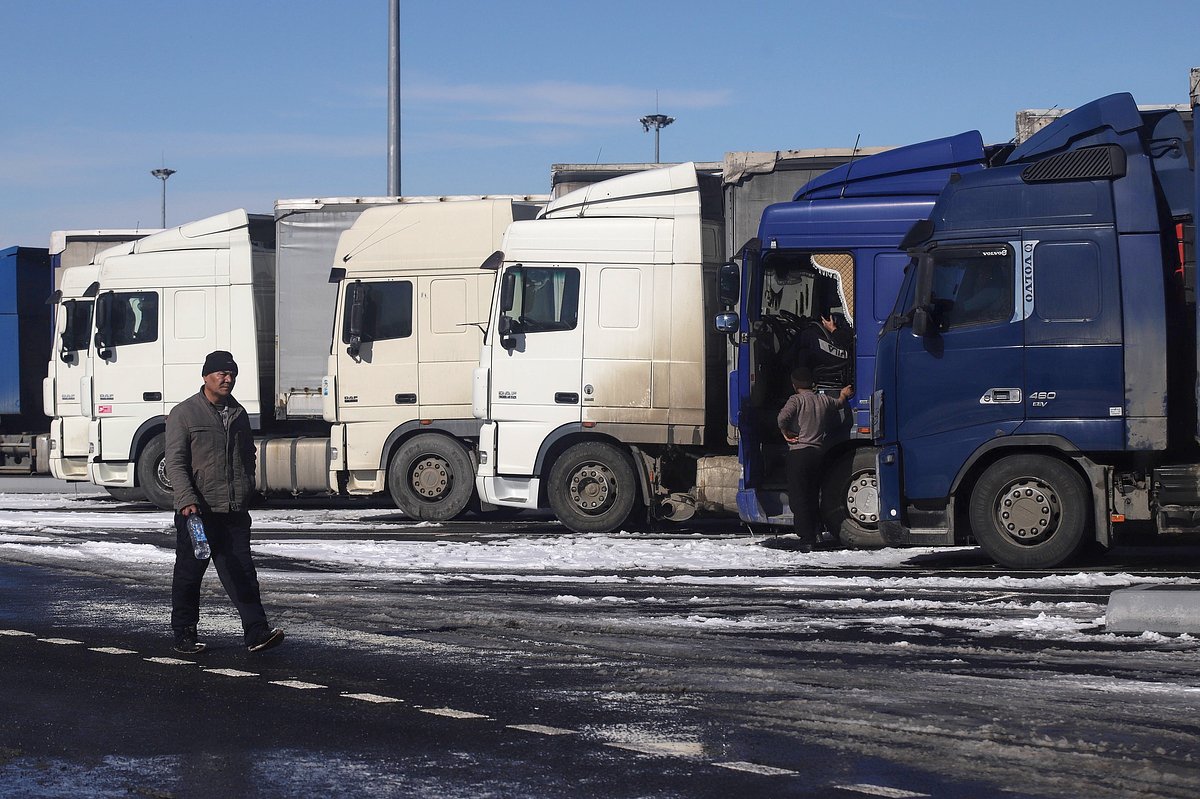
{"points": [[922, 323], [729, 284], [354, 326], [508, 289], [728, 323], [103, 320], [507, 338]]}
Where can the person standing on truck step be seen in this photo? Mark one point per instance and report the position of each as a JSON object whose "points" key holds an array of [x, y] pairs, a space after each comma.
{"points": [[804, 421], [210, 462]]}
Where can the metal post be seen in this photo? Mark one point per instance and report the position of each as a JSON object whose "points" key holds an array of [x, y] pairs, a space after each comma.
{"points": [[162, 174], [393, 146]]}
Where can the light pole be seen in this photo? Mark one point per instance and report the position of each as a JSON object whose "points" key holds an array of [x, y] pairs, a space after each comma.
{"points": [[162, 173], [658, 122]]}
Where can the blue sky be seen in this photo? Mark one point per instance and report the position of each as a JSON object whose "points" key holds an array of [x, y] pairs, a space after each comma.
{"points": [[254, 100]]}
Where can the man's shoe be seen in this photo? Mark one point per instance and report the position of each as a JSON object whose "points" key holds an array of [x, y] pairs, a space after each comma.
{"points": [[186, 643], [269, 639]]}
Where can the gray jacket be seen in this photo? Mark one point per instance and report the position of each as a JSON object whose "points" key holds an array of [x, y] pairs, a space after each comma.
{"points": [[208, 466]]}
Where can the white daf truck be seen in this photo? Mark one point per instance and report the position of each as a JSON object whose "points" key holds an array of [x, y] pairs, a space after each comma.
{"points": [[602, 379], [68, 371], [412, 303]]}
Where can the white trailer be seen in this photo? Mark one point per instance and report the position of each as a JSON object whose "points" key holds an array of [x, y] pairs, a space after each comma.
{"points": [[411, 306], [601, 379]]}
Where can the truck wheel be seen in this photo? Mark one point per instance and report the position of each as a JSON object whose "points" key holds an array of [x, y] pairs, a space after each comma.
{"points": [[850, 500], [1030, 512], [592, 488], [152, 474], [430, 478]]}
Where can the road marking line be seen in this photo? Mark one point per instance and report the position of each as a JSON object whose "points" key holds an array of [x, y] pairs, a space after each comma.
{"points": [[59, 641], [450, 712], [756, 768], [299, 684], [668, 748], [376, 698], [541, 729], [881, 790], [18, 632], [230, 672], [170, 661], [111, 650]]}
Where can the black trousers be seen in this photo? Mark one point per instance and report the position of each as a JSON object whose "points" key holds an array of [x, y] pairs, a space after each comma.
{"points": [[229, 538], [804, 491]]}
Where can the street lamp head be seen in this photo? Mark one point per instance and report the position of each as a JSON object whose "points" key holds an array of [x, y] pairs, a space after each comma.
{"points": [[656, 121], [162, 173]]}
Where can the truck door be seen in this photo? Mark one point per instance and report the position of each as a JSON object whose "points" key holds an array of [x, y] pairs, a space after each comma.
{"points": [[537, 368], [961, 383], [128, 364], [377, 359], [1074, 361]]}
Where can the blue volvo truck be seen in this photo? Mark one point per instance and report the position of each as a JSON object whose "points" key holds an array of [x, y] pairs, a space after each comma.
{"points": [[830, 253], [26, 279], [1035, 386]]}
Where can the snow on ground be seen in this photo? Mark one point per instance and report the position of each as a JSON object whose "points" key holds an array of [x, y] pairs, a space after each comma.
{"points": [[799, 589]]}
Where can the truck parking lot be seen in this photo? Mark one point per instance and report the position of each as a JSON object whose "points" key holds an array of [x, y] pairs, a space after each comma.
{"points": [[697, 663]]}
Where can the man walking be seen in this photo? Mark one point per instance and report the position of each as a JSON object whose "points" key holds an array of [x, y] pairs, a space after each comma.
{"points": [[804, 421], [210, 464]]}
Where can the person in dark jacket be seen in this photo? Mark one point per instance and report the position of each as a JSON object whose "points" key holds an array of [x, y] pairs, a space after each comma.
{"points": [[210, 464], [805, 419], [825, 348]]}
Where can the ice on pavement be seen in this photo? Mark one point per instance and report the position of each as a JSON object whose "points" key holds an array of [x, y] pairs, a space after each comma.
{"points": [[33, 528]]}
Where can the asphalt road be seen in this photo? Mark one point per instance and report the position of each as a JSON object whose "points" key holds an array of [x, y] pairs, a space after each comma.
{"points": [[904, 682]]}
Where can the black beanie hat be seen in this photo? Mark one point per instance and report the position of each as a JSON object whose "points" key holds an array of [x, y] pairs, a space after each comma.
{"points": [[219, 361]]}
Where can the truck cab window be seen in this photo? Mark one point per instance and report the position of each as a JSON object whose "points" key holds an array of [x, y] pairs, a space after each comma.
{"points": [[387, 310], [974, 288], [133, 317], [545, 298]]}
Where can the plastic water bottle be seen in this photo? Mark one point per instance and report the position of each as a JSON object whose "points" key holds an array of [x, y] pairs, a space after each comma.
{"points": [[199, 540]]}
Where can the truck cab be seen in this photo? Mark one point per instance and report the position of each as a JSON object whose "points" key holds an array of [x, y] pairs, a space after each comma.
{"points": [[412, 303], [601, 376], [816, 287], [67, 387], [163, 303], [68, 383], [1038, 370]]}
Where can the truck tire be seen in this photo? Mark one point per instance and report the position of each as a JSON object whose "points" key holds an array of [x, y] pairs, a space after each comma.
{"points": [[125, 494], [152, 474], [592, 488], [1030, 512], [850, 500], [431, 478]]}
